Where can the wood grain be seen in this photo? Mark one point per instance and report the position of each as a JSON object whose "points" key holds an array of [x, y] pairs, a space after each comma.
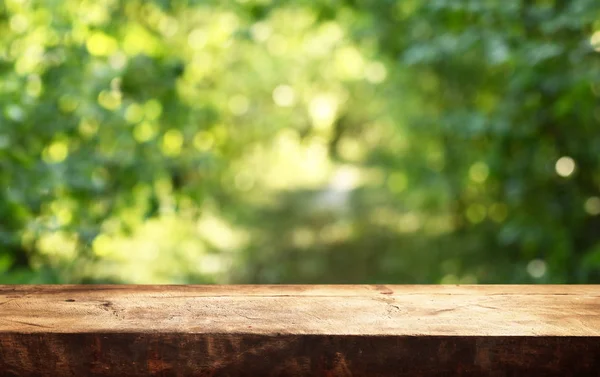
{"points": [[71, 330]]}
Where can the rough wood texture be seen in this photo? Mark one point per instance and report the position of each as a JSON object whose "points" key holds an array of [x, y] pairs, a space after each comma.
{"points": [[299, 330]]}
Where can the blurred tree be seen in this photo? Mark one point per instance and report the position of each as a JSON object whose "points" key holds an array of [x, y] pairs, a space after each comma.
{"points": [[322, 141]]}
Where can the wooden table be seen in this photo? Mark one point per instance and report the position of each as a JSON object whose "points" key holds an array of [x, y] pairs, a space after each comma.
{"points": [[362, 330]]}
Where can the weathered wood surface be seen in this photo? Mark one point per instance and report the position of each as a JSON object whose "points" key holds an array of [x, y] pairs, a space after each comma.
{"points": [[299, 330]]}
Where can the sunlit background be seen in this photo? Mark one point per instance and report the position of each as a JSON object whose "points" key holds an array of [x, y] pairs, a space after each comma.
{"points": [[322, 141]]}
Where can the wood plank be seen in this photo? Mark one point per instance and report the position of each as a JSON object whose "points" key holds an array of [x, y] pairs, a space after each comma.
{"points": [[299, 330]]}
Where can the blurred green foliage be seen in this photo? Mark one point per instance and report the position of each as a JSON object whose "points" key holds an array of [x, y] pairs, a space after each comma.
{"points": [[323, 141]]}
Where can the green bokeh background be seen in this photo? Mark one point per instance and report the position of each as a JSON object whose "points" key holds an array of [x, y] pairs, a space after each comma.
{"points": [[322, 141]]}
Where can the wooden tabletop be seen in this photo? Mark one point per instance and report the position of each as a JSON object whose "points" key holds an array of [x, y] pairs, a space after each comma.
{"points": [[299, 330]]}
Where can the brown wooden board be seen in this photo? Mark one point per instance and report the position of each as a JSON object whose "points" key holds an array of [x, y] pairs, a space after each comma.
{"points": [[117, 330]]}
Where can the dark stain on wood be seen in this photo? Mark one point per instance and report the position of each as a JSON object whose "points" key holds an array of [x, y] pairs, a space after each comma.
{"points": [[384, 289], [293, 355]]}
